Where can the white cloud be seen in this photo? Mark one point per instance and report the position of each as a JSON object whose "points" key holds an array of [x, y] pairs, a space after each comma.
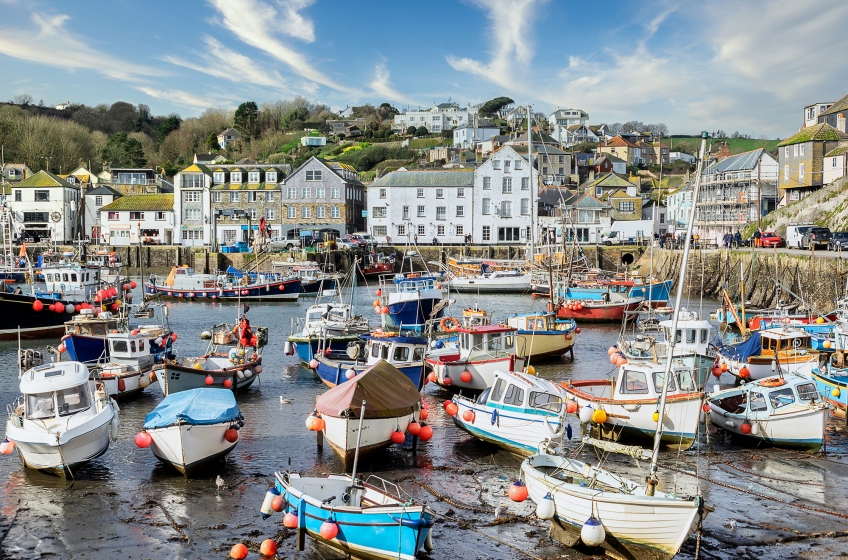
{"points": [[52, 44], [382, 86], [511, 53], [258, 24], [188, 99]]}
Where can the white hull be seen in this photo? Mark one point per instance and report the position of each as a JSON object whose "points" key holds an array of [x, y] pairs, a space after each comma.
{"points": [[797, 427], [660, 523], [515, 431], [188, 447], [482, 285], [482, 371], [762, 371], [341, 433], [132, 385]]}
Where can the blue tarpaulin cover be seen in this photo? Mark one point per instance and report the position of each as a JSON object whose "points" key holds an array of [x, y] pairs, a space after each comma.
{"points": [[742, 350], [195, 406]]}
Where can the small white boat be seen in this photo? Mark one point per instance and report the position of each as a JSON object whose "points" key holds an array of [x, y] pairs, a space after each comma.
{"points": [[191, 429], [491, 282], [518, 413], [765, 350], [62, 419], [392, 403], [130, 362], [783, 411], [634, 520], [630, 402]]}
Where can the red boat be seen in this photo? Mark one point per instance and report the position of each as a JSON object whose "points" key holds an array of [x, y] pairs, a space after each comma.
{"points": [[378, 264], [759, 322], [595, 311]]}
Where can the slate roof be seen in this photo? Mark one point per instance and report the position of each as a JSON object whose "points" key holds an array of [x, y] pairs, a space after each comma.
{"points": [[207, 158], [612, 158], [230, 131], [45, 179], [554, 196], [538, 137], [609, 180], [101, 190], [461, 178], [246, 187], [482, 123], [816, 133], [739, 162], [543, 149], [839, 106], [588, 202], [619, 142], [152, 202]]}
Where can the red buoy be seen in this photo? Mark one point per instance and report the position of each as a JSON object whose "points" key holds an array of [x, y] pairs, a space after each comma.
{"points": [[228, 383], [231, 435], [133, 285], [571, 406], [518, 491], [431, 377], [744, 373], [329, 529], [446, 380], [52, 307], [705, 407], [278, 504], [319, 424], [716, 371], [426, 432], [37, 305], [122, 385], [290, 520], [385, 310], [414, 428], [745, 428], [268, 547], [209, 380], [142, 439], [577, 330], [468, 416], [465, 376], [451, 409], [423, 415], [61, 348], [398, 437], [239, 552]]}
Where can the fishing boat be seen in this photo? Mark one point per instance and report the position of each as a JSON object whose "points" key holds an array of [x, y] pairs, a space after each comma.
{"points": [[192, 429], [653, 291], [409, 301], [782, 411], [599, 305], [126, 371], [377, 264], [628, 405], [759, 356], [393, 402], [328, 328], [109, 263], [481, 351], [233, 360], [406, 353], [542, 336], [183, 283], [62, 419], [518, 413], [314, 278], [490, 281], [370, 519], [832, 385]]}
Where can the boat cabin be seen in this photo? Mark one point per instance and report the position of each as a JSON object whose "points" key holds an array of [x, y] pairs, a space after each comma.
{"points": [[645, 381], [781, 341], [491, 340], [397, 350], [693, 335], [538, 322], [412, 283], [53, 391], [756, 401], [71, 281], [128, 351], [104, 259], [521, 392], [88, 325]]}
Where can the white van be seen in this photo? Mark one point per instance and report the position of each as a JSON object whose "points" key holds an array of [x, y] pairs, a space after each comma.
{"points": [[794, 233]]}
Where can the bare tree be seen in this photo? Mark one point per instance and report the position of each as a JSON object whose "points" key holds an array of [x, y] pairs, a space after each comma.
{"points": [[22, 99]]}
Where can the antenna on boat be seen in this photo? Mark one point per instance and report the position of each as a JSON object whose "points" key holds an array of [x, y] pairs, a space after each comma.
{"points": [[652, 480]]}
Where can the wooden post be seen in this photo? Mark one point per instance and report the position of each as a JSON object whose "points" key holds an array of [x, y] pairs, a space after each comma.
{"points": [[320, 438]]}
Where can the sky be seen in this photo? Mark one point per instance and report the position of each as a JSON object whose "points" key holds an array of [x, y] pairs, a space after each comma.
{"points": [[748, 66]]}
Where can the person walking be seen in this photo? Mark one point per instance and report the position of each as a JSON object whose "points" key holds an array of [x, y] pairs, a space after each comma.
{"points": [[757, 235], [728, 238]]}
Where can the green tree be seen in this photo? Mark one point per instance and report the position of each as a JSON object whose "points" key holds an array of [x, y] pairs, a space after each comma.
{"points": [[122, 151], [212, 142], [246, 119], [167, 126], [411, 130], [421, 131], [492, 106]]}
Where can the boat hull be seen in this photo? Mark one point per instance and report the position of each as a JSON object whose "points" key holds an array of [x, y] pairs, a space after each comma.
{"points": [[86, 349], [660, 524], [17, 314], [538, 345], [286, 290], [306, 348], [793, 430], [514, 285], [482, 371], [174, 378], [599, 312], [512, 430], [834, 390], [313, 287], [411, 313], [341, 434], [189, 448], [759, 367], [332, 372], [132, 382]]}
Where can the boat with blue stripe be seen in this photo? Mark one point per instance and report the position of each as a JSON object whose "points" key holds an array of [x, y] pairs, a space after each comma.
{"points": [[183, 283], [411, 300], [406, 353]]}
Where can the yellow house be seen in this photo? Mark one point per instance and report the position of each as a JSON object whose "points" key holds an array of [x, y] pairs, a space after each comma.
{"points": [[622, 149]]}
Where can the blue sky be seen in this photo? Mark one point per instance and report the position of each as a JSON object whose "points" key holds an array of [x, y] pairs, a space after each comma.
{"points": [[749, 66]]}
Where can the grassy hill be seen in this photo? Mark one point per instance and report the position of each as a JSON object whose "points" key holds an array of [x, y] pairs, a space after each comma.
{"points": [[736, 145]]}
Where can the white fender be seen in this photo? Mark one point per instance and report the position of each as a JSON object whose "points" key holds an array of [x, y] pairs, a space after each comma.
{"points": [[116, 421], [553, 433], [428, 542]]}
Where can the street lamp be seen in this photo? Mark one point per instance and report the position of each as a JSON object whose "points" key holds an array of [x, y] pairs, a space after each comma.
{"points": [[48, 162]]}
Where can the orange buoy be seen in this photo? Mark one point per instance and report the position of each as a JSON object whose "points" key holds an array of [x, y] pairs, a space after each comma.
{"points": [[290, 520], [431, 377], [376, 303], [268, 547], [209, 380], [423, 415], [468, 416], [379, 292], [398, 437], [744, 373], [414, 428], [385, 310], [745, 427], [723, 367], [239, 552], [319, 424], [571, 406], [518, 491], [610, 350], [231, 435], [61, 348], [465, 376], [278, 504], [329, 529], [426, 432], [143, 439], [228, 383], [568, 336], [451, 409]]}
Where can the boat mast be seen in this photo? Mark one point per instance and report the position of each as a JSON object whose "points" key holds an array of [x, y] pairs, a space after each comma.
{"points": [[652, 476], [532, 188]]}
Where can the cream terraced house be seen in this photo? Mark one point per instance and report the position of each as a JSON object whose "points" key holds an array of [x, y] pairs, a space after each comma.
{"points": [[46, 207]]}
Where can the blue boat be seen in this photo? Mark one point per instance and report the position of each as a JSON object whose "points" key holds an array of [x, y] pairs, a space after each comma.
{"points": [[328, 329], [86, 336], [658, 292], [406, 353], [370, 521], [832, 385], [411, 301]]}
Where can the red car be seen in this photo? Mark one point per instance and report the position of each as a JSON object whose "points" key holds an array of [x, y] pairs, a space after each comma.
{"points": [[771, 239]]}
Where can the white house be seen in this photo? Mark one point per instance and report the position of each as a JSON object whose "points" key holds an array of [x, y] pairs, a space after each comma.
{"points": [[228, 136], [682, 156], [192, 205], [658, 213], [47, 206], [812, 112], [568, 117], [444, 116], [95, 199], [422, 205], [313, 141], [138, 219], [573, 134], [502, 198], [473, 132], [835, 165], [618, 165]]}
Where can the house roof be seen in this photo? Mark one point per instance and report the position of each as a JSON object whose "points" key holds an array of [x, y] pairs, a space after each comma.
{"points": [[610, 180], [153, 202], [246, 187], [197, 168], [104, 190], [588, 202], [739, 162], [339, 165], [543, 149], [498, 138], [538, 137], [816, 133], [619, 142], [621, 193], [207, 158], [837, 151], [459, 178], [231, 131], [45, 179], [482, 123], [447, 105], [839, 106], [554, 196]]}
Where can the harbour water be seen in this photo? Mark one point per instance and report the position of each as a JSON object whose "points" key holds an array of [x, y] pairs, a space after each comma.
{"points": [[769, 503]]}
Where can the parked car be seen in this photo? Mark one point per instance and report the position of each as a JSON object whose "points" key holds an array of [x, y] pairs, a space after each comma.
{"points": [[838, 241], [364, 239], [287, 243], [346, 244], [794, 233], [816, 237], [770, 239]]}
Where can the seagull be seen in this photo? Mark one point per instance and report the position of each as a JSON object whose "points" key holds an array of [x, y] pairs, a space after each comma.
{"points": [[733, 524], [497, 512], [220, 482], [284, 400]]}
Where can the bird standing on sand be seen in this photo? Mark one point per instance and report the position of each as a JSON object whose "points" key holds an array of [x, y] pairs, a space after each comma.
{"points": [[497, 512], [220, 482]]}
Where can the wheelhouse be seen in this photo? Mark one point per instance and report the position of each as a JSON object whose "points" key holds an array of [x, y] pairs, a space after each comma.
{"points": [[518, 391], [492, 340]]}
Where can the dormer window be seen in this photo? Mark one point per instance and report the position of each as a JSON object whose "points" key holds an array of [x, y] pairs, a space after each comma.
{"points": [[253, 177], [270, 176], [235, 177], [218, 176]]}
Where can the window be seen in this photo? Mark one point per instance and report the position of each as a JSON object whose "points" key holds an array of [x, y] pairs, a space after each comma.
{"points": [[487, 183], [251, 196], [507, 185], [320, 211], [808, 392], [270, 214], [270, 176], [460, 192], [786, 151], [599, 191], [191, 196], [561, 159], [335, 192], [320, 193], [801, 149], [440, 193], [460, 211], [216, 197], [254, 214], [379, 211], [113, 216], [460, 230], [401, 230], [634, 382], [291, 193], [235, 196], [509, 234], [781, 398], [441, 213], [440, 230], [658, 380], [335, 212], [801, 172], [545, 401], [525, 183], [270, 196], [486, 208], [17, 196], [192, 214], [405, 213], [506, 209], [42, 196], [253, 177], [420, 193], [507, 165], [98, 200], [136, 215], [381, 230], [796, 150], [292, 212], [487, 233], [497, 392], [625, 206], [192, 234], [514, 396], [544, 158], [525, 206], [420, 229], [313, 175], [218, 177], [190, 181], [305, 212], [517, 164], [496, 164], [422, 211], [786, 171], [305, 192]]}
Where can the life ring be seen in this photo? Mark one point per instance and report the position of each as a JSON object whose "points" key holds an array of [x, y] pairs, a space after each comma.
{"points": [[452, 321], [383, 334], [772, 382]]}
